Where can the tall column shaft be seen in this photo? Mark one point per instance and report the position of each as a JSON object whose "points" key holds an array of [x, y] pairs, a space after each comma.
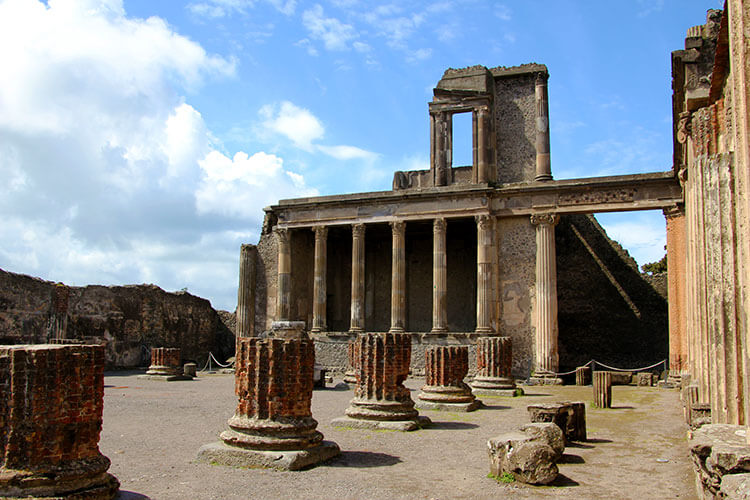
{"points": [[358, 279], [546, 294], [676, 262], [485, 240], [284, 291], [319, 280], [439, 278], [543, 166], [482, 134], [246, 292], [398, 277]]}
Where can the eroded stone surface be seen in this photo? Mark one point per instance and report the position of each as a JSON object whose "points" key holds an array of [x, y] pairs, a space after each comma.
{"points": [[529, 460], [718, 451], [444, 389]]}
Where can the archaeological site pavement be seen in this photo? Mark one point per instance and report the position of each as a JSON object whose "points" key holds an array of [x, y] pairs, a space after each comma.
{"points": [[152, 431]]}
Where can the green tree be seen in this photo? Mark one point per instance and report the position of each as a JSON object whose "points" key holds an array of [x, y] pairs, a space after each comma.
{"points": [[656, 267]]}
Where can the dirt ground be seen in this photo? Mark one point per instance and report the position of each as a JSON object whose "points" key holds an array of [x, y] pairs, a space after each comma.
{"points": [[152, 432]]}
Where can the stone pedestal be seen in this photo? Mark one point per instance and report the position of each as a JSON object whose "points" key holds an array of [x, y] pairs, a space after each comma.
{"points": [[380, 399], [350, 376], [444, 389], [50, 420], [603, 389], [494, 363], [583, 375], [166, 365], [272, 426]]}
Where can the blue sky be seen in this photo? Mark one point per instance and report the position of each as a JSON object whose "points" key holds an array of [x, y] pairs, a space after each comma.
{"points": [[139, 140]]}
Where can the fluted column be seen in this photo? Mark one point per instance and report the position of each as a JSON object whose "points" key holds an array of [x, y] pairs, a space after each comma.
{"points": [[485, 228], [246, 292], [442, 148], [283, 294], [398, 277], [358, 279], [543, 166], [444, 389], [319, 280], [545, 313], [494, 366], [482, 140], [439, 278]]}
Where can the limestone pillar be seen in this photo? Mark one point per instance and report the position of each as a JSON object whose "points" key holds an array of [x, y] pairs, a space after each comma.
{"points": [[380, 399], [545, 313], [494, 365], [543, 167], [676, 276], [485, 247], [439, 278], [603, 389], [358, 279], [398, 277], [51, 418], [272, 425], [483, 142], [444, 389], [246, 292], [284, 291], [319, 280]]}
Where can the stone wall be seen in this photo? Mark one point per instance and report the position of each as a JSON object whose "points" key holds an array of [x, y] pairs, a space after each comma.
{"points": [[607, 309], [129, 320]]}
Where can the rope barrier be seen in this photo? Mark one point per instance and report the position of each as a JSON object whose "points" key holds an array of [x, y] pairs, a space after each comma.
{"points": [[209, 363], [594, 362], [217, 361]]}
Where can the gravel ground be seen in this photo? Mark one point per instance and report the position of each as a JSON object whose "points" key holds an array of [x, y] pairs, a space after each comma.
{"points": [[152, 432]]}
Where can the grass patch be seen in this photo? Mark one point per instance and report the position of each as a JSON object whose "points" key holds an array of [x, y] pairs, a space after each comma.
{"points": [[505, 477]]}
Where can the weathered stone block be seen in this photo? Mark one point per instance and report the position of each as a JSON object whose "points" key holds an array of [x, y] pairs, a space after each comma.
{"points": [[548, 433], [583, 375], [50, 420], [718, 451], [529, 460], [644, 379], [570, 417]]}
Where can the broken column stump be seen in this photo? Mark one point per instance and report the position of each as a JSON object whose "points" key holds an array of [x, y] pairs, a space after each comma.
{"points": [[644, 379], [350, 376], [444, 389], [603, 389], [380, 399], [569, 416], [529, 455], [166, 365], [50, 420], [494, 363], [583, 375], [272, 426]]}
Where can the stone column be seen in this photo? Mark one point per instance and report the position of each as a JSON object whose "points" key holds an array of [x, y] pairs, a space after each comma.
{"points": [[483, 140], [59, 318], [583, 375], [246, 292], [380, 399], [485, 247], [545, 313], [51, 418], [494, 364], [284, 291], [439, 278], [603, 389], [319, 280], [676, 261], [442, 149], [350, 375], [272, 425], [398, 277], [444, 389], [358, 279], [543, 167], [166, 364]]}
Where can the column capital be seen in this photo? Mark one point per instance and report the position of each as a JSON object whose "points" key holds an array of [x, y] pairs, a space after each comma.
{"points": [[321, 232], [358, 230], [484, 221], [674, 211], [545, 219], [541, 78], [439, 224], [398, 226], [282, 234]]}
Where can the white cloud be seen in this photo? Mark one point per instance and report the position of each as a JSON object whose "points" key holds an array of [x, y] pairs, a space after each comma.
{"points": [[642, 233], [243, 185], [334, 34], [298, 124], [223, 8], [347, 153]]}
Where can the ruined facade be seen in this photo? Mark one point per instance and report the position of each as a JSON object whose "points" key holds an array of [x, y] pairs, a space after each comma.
{"points": [[455, 252]]}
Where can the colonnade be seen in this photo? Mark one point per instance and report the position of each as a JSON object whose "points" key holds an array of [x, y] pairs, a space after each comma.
{"points": [[545, 316]]}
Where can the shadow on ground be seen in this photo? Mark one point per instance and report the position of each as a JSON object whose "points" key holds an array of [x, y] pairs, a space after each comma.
{"points": [[364, 459], [131, 495]]}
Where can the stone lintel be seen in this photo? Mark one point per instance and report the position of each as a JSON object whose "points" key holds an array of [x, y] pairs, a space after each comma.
{"points": [[223, 454], [418, 422], [570, 196]]}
